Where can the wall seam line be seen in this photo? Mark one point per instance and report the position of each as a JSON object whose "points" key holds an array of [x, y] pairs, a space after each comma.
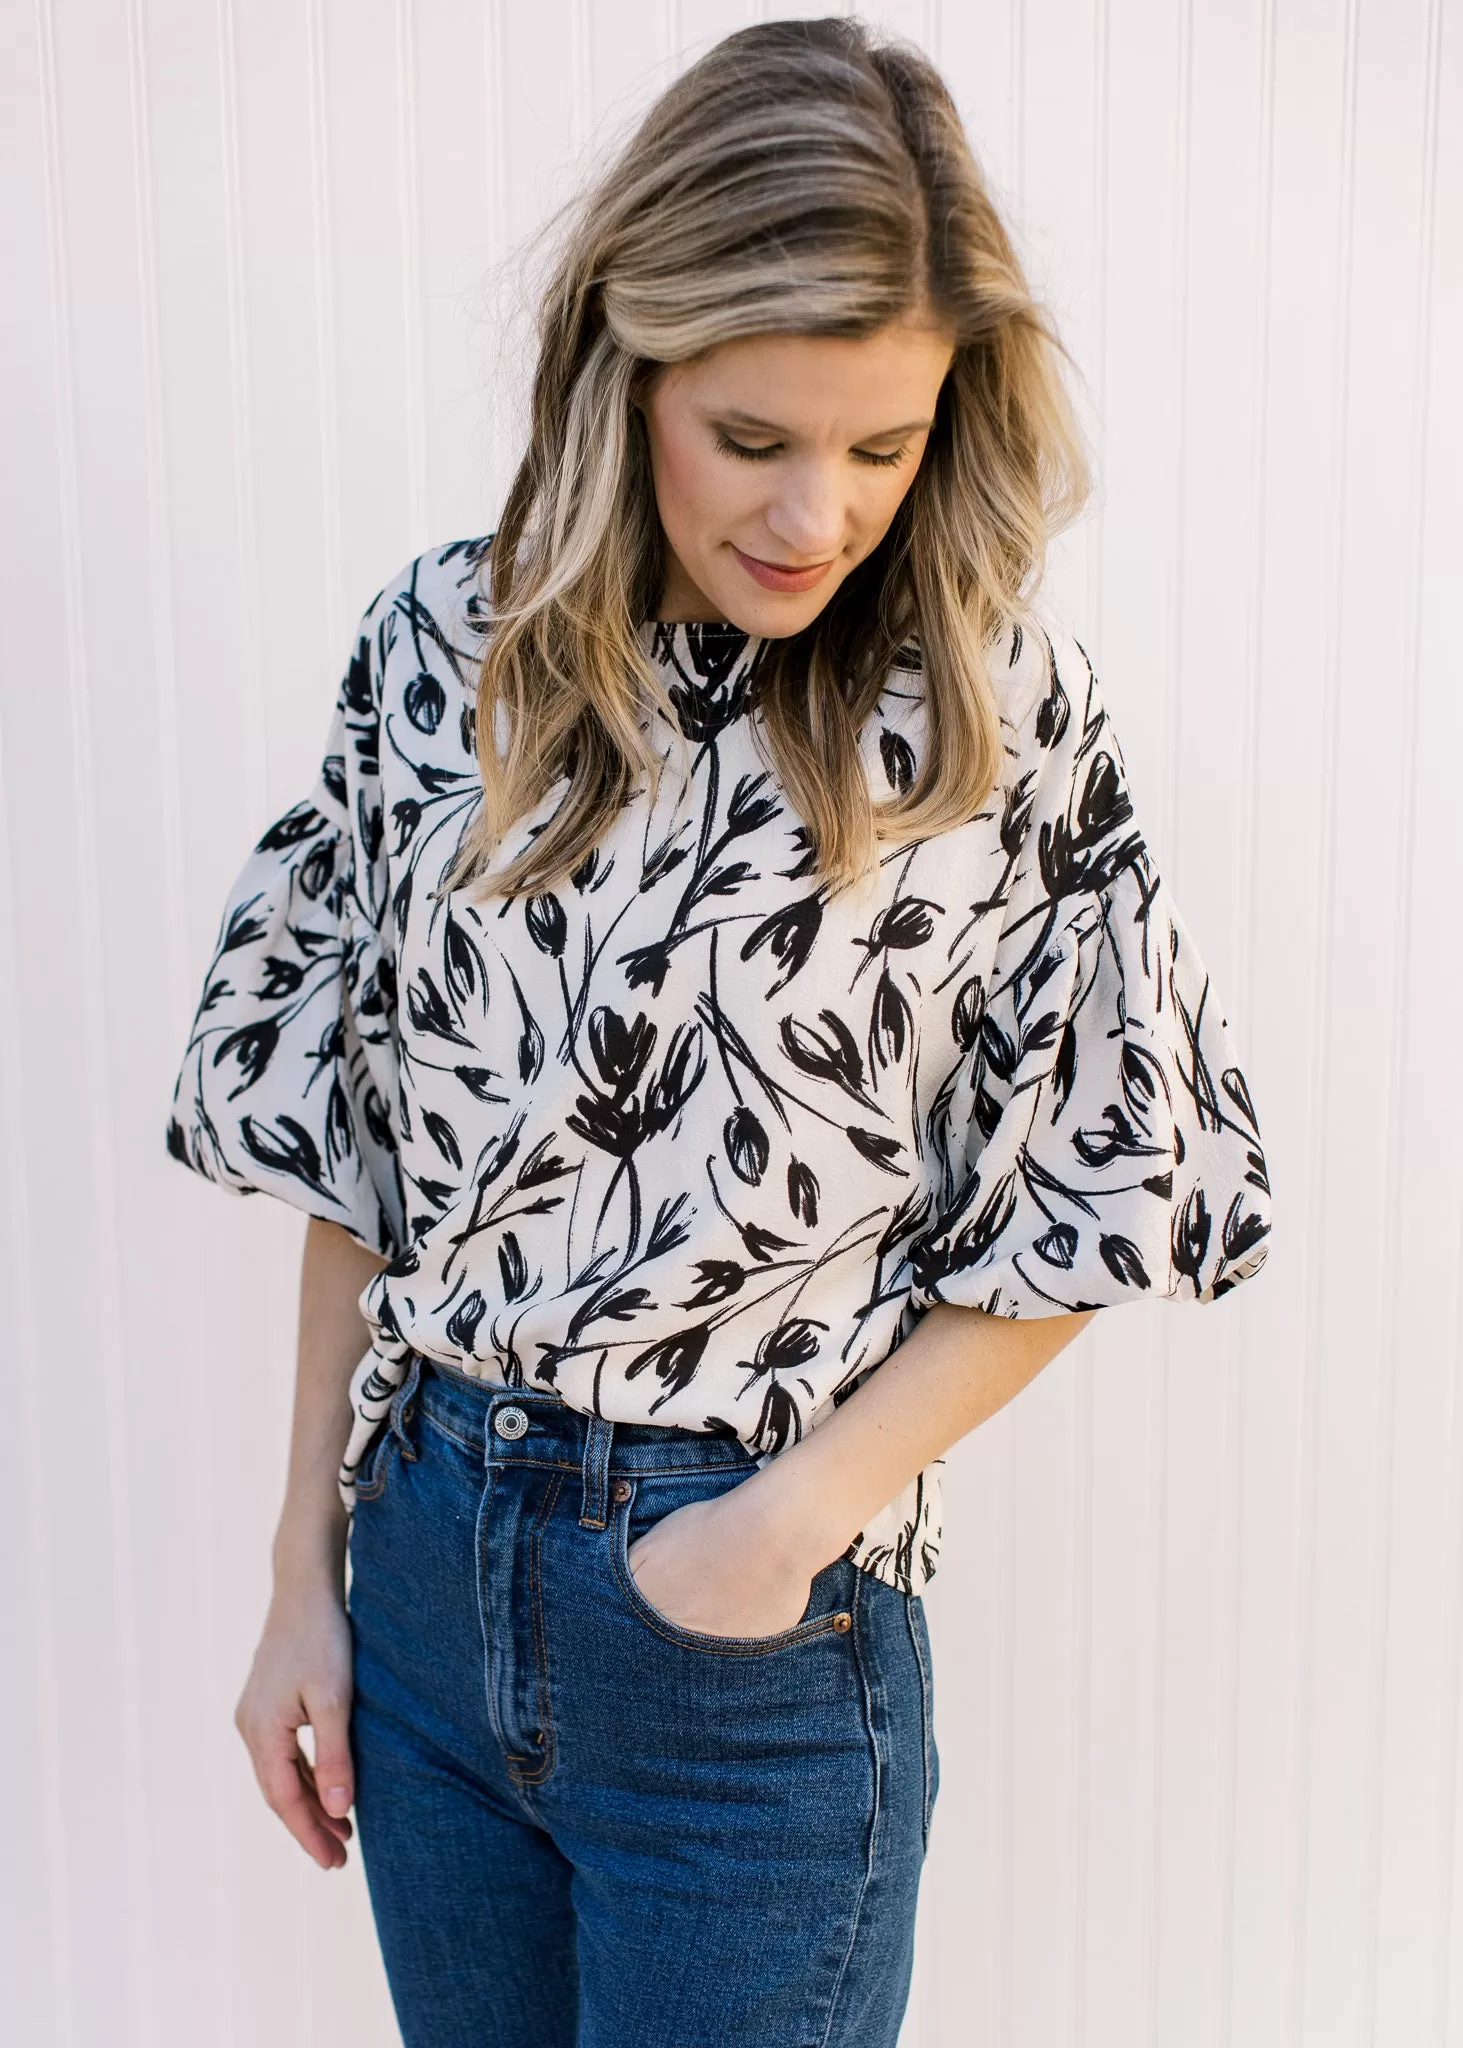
{"points": [[95, 1082], [1234, 1352], [1307, 1478], [165, 698], [1380, 1604]]}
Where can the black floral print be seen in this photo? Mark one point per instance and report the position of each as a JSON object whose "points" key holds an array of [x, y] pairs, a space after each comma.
{"points": [[693, 1139]]}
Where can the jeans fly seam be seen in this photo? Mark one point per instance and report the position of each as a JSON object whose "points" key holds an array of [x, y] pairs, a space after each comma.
{"points": [[485, 1625], [540, 1639]]}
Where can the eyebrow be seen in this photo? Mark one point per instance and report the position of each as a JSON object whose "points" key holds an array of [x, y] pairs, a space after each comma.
{"points": [[749, 419]]}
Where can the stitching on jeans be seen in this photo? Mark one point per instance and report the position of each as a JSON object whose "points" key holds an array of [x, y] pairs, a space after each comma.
{"points": [[622, 1471], [463, 1442], [874, 1818], [480, 1547], [477, 1445], [572, 1464], [595, 1473], [541, 1641], [628, 1471], [926, 1713], [374, 1486]]}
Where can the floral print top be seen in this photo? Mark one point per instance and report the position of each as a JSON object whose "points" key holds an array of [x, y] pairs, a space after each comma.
{"points": [[691, 1139]]}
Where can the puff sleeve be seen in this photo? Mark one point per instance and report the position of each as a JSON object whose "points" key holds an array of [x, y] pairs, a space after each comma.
{"points": [[1102, 1144], [289, 1085]]}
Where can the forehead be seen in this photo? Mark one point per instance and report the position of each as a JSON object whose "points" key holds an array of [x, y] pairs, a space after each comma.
{"points": [[894, 372]]}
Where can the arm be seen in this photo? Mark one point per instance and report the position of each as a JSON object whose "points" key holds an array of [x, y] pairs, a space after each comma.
{"points": [[742, 1564], [301, 1671]]}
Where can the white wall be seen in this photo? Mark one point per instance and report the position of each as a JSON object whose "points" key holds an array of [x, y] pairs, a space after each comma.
{"points": [[1199, 1624]]}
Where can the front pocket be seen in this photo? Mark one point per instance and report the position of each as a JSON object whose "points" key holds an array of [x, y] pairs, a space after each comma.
{"points": [[828, 1620], [372, 1472]]}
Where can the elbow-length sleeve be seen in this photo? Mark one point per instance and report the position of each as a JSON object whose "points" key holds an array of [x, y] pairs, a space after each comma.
{"points": [[1101, 1140], [289, 1085]]}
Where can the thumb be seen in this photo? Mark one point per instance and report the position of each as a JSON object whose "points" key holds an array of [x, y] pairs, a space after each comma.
{"points": [[334, 1774]]}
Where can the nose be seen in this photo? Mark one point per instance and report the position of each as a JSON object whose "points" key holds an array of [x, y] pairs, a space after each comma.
{"points": [[808, 515]]}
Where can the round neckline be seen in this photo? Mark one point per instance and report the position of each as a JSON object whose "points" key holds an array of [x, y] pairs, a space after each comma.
{"points": [[684, 627], [708, 666]]}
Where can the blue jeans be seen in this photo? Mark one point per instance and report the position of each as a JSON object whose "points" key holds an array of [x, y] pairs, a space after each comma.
{"points": [[584, 1826]]}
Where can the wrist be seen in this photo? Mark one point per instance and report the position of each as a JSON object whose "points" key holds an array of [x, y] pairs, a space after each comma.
{"points": [[799, 1517], [309, 1549]]}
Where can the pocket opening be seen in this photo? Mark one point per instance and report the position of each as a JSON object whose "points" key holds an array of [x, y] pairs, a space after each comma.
{"points": [[645, 1611], [371, 1473]]}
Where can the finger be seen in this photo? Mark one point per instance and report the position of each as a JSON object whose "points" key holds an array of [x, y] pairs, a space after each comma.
{"points": [[319, 1826], [280, 1768], [334, 1774], [312, 1829], [338, 1825]]}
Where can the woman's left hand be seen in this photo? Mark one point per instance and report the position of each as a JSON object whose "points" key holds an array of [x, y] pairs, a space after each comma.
{"points": [[724, 1567]]}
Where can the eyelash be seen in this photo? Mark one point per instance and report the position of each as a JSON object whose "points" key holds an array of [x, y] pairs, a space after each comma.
{"points": [[730, 447]]}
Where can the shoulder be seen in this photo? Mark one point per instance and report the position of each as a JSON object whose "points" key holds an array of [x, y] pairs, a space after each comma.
{"points": [[1051, 710], [1066, 780], [1057, 728], [430, 616], [1024, 660], [1048, 692]]}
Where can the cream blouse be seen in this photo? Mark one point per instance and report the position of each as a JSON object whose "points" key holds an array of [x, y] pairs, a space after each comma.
{"points": [[690, 1139]]}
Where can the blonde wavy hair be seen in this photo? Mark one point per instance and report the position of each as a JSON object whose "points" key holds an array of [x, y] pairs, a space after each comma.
{"points": [[806, 177]]}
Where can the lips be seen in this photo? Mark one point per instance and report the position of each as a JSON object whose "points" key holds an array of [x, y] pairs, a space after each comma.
{"points": [[773, 577]]}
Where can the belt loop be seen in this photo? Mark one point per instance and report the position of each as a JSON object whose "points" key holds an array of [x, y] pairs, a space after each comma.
{"points": [[597, 1444], [401, 1405]]}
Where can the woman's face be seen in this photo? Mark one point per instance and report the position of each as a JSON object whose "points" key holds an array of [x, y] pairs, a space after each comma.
{"points": [[785, 452]]}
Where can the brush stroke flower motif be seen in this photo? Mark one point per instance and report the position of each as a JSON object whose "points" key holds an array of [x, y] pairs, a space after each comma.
{"points": [[689, 1137]]}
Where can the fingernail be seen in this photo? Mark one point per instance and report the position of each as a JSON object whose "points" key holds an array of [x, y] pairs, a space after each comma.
{"points": [[337, 1801]]}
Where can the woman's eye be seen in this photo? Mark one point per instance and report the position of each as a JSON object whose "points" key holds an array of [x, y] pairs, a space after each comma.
{"points": [[744, 454], [730, 447]]}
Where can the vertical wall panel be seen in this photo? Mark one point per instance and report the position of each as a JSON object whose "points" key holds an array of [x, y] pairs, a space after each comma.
{"points": [[39, 1918], [1417, 1975], [1198, 1627], [1409, 1822], [1371, 571]]}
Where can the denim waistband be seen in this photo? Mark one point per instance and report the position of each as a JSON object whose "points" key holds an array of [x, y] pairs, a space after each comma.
{"points": [[535, 1426]]}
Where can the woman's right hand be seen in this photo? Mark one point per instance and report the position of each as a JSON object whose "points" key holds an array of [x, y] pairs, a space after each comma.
{"points": [[301, 1676]]}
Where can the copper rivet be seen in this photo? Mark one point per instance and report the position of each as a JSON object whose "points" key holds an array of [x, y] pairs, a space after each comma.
{"points": [[620, 1490], [843, 1623]]}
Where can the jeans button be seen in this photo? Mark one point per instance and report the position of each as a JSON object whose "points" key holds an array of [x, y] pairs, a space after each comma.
{"points": [[620, 1491], [510, 1424]]}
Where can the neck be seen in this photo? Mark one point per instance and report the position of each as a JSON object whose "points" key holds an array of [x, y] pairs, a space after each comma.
{"points": [[682, 602]]}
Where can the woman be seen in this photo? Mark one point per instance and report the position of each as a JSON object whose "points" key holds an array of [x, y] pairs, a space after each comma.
{"points": [[722, 1020]]}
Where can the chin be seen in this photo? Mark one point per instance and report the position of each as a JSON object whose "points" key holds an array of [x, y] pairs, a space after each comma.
{"points": [[783, 628], [776, 618], [781, 621]]}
